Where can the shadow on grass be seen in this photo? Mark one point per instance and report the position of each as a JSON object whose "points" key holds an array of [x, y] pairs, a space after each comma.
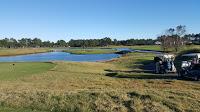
{"points": [[128, 71], [146, 65], [146, 71], [142, 76]]}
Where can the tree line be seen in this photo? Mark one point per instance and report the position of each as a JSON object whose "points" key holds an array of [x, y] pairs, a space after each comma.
{"points": [[193, 38], [173, 38], [36, 42], [28, 42], [107, 41]]}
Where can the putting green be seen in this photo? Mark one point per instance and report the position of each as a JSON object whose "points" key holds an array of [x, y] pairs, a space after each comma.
{"points": [[12, 71]]}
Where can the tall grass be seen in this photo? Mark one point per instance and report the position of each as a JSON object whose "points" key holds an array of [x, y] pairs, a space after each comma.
{"points": [[20, 51]]}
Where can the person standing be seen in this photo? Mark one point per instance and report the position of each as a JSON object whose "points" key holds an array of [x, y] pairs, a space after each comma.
{"points": [[157, 64]]}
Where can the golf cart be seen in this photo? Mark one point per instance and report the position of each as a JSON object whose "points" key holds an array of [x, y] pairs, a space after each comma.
{"points": [[164, 63], [190, 66]]}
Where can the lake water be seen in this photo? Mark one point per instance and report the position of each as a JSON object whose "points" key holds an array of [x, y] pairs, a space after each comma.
{"points": [[58, 56], [63, 56]]}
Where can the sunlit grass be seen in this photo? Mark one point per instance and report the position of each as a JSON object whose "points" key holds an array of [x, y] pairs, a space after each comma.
{"points": [[13, 71], [87, 86], [90, 51], [20, 51]]}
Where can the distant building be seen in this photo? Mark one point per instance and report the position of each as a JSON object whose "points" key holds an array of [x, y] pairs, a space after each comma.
{"points": [[158, 43], [193, 38]]}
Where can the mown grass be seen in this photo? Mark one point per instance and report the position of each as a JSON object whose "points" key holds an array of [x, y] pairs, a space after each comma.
{"points": [[19, 51], [147, 47], [156, 47], [86, 86], [90, 51], [12, 71], [137, 47]]}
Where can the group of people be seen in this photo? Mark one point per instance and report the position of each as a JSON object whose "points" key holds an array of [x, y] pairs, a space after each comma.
{"points": [[190, 63], [164, 65], [191, 67]]}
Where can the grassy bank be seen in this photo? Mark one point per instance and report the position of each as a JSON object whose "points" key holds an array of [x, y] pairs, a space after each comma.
{"points": [[21, 51], [100, 86], [90, 51]]}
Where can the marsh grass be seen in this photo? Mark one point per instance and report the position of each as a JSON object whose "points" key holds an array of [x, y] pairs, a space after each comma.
{"points": [[20, 51]]}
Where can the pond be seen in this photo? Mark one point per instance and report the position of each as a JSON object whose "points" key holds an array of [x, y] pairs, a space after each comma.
{"points": [[58, 56]]}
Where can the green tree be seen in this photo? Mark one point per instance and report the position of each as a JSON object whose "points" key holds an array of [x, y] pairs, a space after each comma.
{"points": [[61, 43], [36, 42]]}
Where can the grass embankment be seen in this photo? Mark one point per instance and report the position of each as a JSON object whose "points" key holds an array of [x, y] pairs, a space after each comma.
{"points": [[90, 51], [100, 86], [21, 51]]}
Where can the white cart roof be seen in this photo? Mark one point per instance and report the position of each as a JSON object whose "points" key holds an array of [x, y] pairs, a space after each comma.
{"points": [[166, 56], [192, 55]]}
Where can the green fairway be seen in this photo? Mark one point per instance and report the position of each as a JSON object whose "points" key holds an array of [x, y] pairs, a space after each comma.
{"points": [[147, 47], [138, 47], [11, 71], [90, 51], [155, 47]]}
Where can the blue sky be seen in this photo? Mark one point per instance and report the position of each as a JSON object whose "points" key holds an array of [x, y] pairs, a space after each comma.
{"points": [[75, 19]]}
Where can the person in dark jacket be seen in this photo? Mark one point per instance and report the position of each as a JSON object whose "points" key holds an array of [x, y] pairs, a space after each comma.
{"points": [[158, 63]]}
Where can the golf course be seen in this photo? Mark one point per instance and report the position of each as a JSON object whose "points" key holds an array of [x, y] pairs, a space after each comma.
{"points": [[121, 84], [99, 56]]}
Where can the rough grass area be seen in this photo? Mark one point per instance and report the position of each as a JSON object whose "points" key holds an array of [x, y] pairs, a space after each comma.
{"points": [[90, 51], [13, 52], [8, 109], [86, 86]]}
